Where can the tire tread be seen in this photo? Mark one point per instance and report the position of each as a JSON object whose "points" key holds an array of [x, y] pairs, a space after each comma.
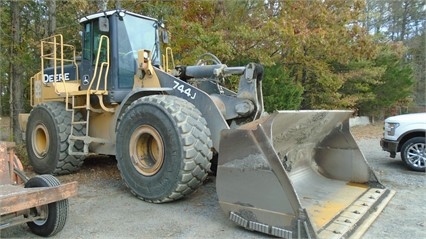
{"points": [[196, 141], [66, 163], [58, 211]]}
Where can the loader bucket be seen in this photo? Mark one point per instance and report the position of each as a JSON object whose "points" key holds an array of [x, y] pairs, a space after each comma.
{"points": [[298, 174]]}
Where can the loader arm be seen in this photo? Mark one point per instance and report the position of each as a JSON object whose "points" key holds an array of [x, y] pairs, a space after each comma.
{"points": [[222, 108]]}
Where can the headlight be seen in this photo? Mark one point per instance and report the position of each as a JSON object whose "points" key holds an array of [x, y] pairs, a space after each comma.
{"points": [[390, 128]]}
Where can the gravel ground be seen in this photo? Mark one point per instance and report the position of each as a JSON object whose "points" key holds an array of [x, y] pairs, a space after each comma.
{"points": [[104, 208], [405, 215]]}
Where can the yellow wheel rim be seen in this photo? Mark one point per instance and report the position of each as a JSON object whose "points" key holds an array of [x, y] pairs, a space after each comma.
{"points": [[40, 141], [146, 150]]}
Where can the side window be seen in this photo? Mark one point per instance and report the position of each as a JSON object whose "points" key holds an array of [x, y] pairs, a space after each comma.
{"points": [[126, 57], [96, 41], [92, 38], [87, 39]]}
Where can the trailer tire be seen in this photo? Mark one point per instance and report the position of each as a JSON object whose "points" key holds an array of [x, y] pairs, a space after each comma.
{"points": [[57, 212], [163, 148], [413, 153], [48, 128]]}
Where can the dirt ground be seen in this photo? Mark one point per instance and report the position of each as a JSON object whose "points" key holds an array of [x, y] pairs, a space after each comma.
{"points": [[104, 208]]}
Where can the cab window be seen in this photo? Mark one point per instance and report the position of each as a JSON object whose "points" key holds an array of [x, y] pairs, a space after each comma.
{"points": [[92, 39]]}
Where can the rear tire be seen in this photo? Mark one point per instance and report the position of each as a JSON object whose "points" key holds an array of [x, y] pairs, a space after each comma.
{"points": [[57, 212], [48, 128], [413, 153], [163, 148]]}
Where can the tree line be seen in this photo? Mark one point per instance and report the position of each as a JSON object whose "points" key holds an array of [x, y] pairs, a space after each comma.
{"points": [[333, 54]]}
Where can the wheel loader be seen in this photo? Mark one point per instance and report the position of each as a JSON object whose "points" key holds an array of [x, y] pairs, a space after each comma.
{"points": [[290, 174]]}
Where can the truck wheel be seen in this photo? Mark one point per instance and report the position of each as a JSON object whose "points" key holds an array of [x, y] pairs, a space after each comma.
{"points": [[48, 128], [163, 148], [413, 153], [56, 212]]}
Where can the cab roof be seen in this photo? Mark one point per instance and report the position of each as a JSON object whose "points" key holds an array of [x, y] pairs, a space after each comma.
{"points": [[111, 12]]}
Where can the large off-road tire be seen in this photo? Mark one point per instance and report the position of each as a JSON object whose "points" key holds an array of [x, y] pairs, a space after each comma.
{"points": [[57, 212], [163, 148], [48, 128], [413, 153]]}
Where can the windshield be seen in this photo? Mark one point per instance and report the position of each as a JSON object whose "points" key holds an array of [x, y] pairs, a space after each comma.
{"points": [[137, 33], [134, 34]]}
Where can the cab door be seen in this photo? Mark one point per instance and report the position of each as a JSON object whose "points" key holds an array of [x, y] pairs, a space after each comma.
{"points": [[95, 56]]}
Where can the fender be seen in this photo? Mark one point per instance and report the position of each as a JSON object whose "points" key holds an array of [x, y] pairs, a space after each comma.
{"points": [[200, 99], [408, 135], [132, 96]]}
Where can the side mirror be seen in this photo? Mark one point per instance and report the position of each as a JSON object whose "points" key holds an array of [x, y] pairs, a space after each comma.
{"points": [[103, 24], [165, 36]]}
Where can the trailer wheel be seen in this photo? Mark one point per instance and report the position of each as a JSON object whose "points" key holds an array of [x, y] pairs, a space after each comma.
{"points": [[163, 148], [56, 212], [413, 153], [48, 128]]}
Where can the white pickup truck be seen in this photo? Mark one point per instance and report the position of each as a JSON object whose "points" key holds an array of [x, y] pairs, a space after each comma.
{"points": [[406, 134]]}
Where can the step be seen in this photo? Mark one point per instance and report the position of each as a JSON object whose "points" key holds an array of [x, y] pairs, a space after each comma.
{"points": [[90, 92], [88, 139], [79, 107], [81, 153], [79, 122], [88, 108]]}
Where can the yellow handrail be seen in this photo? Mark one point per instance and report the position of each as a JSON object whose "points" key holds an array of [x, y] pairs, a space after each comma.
{"points": [[166, 59], [56, 55], [102, 66]]}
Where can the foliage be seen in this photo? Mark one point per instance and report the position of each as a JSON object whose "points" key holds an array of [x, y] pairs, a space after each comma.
{"points": [[416, 54], [384, 81], [318, 54], [396, 82], [361, 78], [402, 21], [280, 91], [5, 39], [398, 20]]}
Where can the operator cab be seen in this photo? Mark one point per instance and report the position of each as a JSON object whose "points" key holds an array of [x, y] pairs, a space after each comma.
{"points": [[111, 41]]}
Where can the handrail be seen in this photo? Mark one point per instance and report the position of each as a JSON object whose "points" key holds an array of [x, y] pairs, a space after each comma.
{"points": [[53, 50], [55, 43], [102, 66], [31, 90], [166, 59]]}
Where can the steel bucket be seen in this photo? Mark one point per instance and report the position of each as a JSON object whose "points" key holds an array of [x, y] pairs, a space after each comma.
{"points": [[298, 174]]}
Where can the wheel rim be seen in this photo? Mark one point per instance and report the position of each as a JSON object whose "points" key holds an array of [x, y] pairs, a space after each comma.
{"points": [[146, 150], [44, 211], [40, 140], [416, 155]]}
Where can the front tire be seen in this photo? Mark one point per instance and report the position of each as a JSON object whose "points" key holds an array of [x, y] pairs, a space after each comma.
{"points": [[413, 153], [57, 212], [48, 128], [163, 148]]}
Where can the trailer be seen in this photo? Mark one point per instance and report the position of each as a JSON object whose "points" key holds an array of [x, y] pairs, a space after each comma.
{"points": [[40, 201]]}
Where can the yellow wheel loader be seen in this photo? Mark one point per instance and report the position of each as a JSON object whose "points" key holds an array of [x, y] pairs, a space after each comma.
{"points": [[291, 174]]}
